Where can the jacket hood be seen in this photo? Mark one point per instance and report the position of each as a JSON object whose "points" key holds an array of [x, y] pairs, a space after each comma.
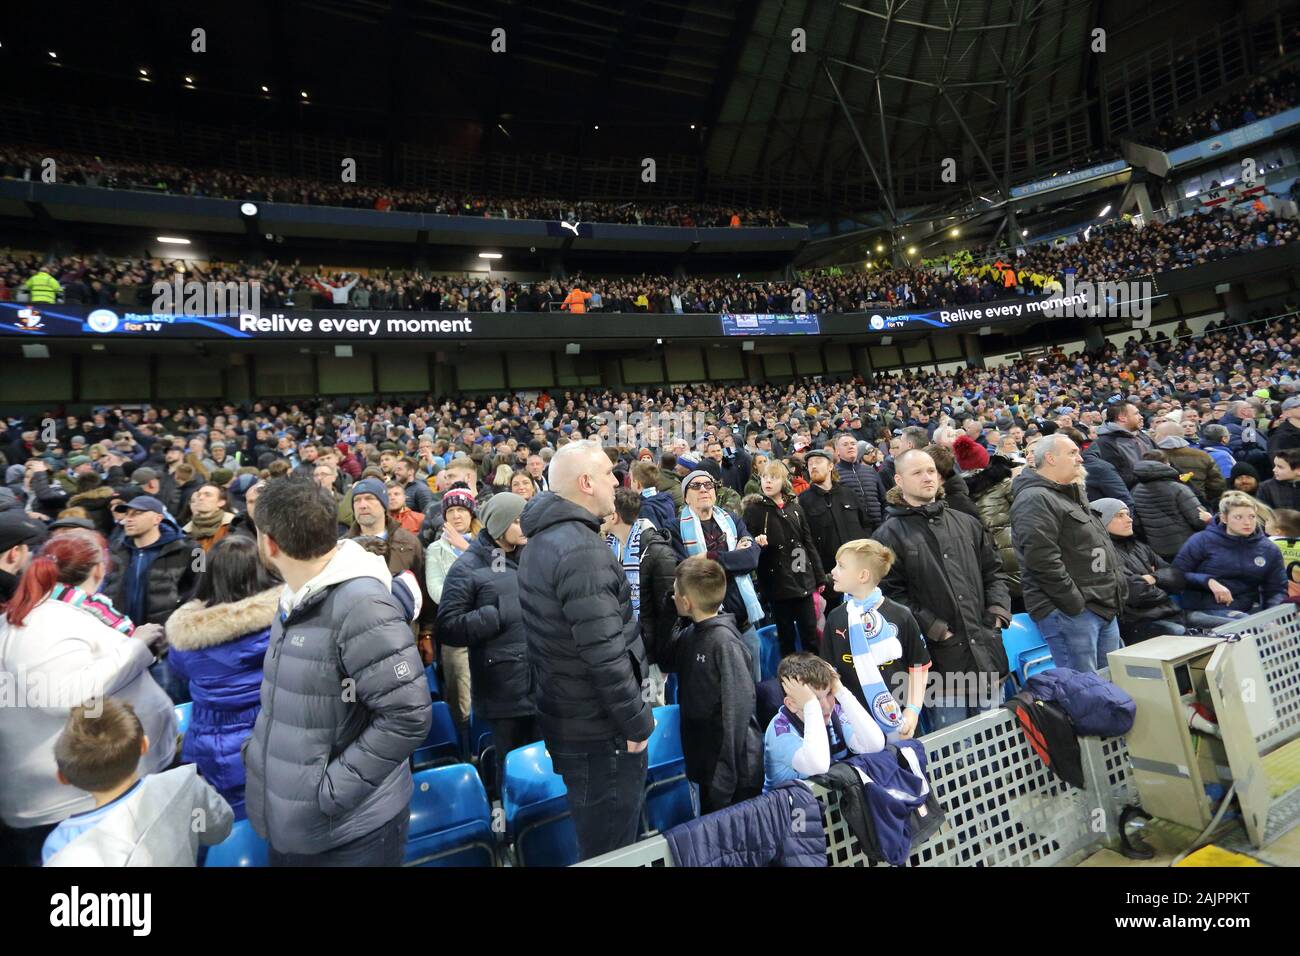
{"points": [[895, 497], [898, 506], [549, 509], [193, 625], [102, 495], [349, 561], [1154, 471], [168, 532], [7, 499], [1234, 540], [1029, 478], [1115, 428], [1173, 441]]}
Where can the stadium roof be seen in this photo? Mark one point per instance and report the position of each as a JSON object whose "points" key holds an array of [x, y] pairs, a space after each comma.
{"points": [[862, 120]]}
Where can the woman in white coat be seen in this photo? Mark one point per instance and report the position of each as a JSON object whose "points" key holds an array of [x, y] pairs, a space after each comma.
{"points": [[55, 655]]}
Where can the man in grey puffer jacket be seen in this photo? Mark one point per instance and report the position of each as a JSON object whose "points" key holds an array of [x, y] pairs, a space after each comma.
{"points": [[344, 697]]}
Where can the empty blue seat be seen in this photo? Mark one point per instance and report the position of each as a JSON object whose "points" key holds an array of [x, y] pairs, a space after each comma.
{"points": [[435, 689], [242, 848], [1024, 646], [769, 651], [442, 745], [451, 820], [183, 713], [669, 799], [537, 809]]}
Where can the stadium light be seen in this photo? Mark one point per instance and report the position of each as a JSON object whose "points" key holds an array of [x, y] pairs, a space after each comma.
{"points": [[955, 232], [53, 55], [189, 79], [489, 255], [248, 209], [143, 71], [1024, 232], [304, 94], [692, 126], [174, 240], [595, 127], [1104, 211], [265, 88], [911, 251]]}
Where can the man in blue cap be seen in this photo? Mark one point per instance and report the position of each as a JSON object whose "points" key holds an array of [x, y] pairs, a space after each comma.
{"points": [[153, 570]]}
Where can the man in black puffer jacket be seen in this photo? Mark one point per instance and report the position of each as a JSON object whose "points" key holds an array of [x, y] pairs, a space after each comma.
{"points": [[480, 610], [949, 575], [344, 698], [1168, 511], [585, 645]]}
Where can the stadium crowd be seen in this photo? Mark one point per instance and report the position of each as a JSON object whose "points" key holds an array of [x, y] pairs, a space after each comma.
{"points": [[557, 555], [1266, 96], [1118, 250], [82, 170]]}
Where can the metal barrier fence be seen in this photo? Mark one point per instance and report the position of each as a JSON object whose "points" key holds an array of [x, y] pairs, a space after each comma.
{"points": [[1003, 805]]}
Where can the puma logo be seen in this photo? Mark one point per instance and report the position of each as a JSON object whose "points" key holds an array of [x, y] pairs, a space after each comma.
{"points": [[571, 226]]}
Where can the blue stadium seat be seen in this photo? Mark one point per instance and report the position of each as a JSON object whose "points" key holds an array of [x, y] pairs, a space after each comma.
{"points": [[431, 675], [770, 651], [669, 799], [183, 713], [451, 819], [482, 750], [442, 746], [670, 689], [1025, 647], [537, 809], [242, 848]]}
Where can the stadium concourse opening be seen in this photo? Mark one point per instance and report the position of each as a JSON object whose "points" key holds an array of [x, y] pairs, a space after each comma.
{"points": [[670, 434]]}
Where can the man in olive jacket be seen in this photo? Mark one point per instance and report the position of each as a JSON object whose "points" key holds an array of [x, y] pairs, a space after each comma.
{"points": [[344, 698], [950, 576], [593, 694], [1073, 579]]}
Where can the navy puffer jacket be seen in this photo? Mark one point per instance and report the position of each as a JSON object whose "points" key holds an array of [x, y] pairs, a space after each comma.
{"points": [[584, 642], [1250, 567], [1097, 708], [757, 832], [480, 610]]}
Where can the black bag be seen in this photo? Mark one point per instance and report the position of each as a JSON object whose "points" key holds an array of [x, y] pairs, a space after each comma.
{"points": [[1051, 733]]}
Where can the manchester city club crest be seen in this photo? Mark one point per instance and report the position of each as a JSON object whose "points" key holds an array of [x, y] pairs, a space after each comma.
{"points": [[886, 709]]}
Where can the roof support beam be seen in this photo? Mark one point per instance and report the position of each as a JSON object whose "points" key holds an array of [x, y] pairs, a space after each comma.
{"points": [[889, 202]]}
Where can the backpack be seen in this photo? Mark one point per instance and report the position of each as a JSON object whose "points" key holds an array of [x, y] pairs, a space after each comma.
{"points": [[1050, 732]]}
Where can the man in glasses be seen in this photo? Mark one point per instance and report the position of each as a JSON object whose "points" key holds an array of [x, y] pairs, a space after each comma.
{"points": [[705, 528]]}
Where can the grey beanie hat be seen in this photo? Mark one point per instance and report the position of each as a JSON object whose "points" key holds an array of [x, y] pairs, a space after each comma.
{"points": [[1107, 509], [500, 511]]}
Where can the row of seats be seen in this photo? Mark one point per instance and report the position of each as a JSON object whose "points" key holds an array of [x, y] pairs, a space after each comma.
{"points": [[452, 818]]}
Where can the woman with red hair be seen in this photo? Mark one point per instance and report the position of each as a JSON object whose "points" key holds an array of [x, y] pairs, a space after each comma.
{"points": [[56, 655]]}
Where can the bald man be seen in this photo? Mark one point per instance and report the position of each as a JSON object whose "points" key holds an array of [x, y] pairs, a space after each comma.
{"points": [[594, 698]]}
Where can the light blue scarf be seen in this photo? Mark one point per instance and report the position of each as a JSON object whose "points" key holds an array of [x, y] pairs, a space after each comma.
{"points": [[630, 557], [873, 642], [693, 539]]}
